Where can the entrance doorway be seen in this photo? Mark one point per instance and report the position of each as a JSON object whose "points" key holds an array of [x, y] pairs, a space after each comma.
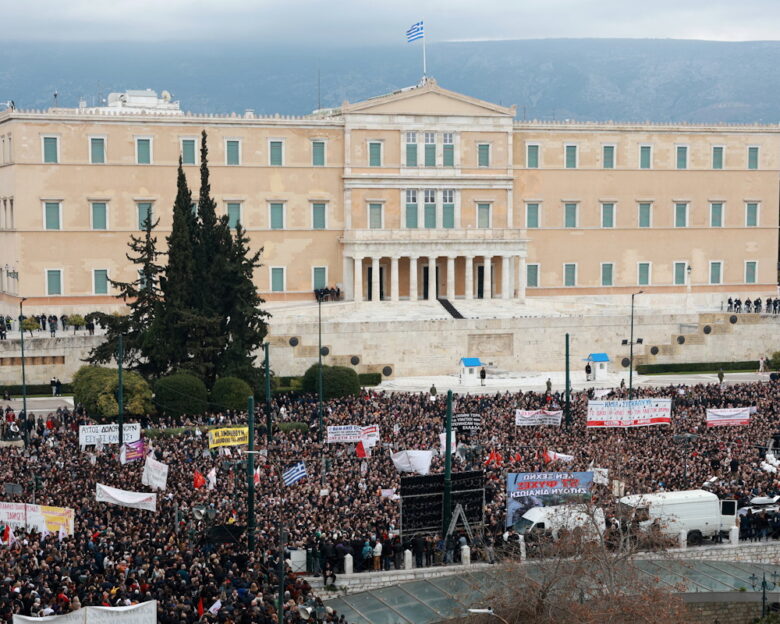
{"points": [[425, 282], [370, 283]]}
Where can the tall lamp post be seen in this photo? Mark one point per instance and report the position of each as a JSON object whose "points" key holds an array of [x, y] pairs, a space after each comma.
{"points": [[764, 585], [24, 378], [631, 344], [319, 294], [686, 439]]}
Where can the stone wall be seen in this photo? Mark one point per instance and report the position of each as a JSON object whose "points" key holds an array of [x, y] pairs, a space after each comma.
{"points": [[44, 357], [725, 607]]}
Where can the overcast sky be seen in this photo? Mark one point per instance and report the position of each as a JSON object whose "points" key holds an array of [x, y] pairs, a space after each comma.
{"points": [[353, 22]]}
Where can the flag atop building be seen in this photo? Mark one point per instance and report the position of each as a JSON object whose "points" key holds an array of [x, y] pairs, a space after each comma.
{"points": [[415, 32], [294, 473]]}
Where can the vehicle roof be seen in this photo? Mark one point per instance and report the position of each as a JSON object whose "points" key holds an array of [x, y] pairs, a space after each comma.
{"points": [[669, 497]]}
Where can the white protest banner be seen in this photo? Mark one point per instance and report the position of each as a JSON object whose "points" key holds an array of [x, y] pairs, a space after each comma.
{"points": [[443, 443], [413, 461], [143, 613], [155, 474], [370, 435], [39, 517], [729, 416], [600, 393], [125, 498], [527, 418], [635, 413], [600, 476], [108, 434], [352, 434]]}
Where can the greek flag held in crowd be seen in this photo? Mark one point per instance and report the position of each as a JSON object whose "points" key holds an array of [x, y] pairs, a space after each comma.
{"points": [[294, 473]]}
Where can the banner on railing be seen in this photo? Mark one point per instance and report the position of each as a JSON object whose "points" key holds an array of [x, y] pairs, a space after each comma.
{"points": [[728, 416]]}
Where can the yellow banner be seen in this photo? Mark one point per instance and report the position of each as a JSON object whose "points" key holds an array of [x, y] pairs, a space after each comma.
{"points": [[229, 436]]}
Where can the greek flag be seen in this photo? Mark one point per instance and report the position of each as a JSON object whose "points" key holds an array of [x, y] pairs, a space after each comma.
{"points": [[415, 32], [294, 473]]}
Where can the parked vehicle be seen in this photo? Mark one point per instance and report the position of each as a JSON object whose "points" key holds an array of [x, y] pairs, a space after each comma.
{"points": [[550, 521]]}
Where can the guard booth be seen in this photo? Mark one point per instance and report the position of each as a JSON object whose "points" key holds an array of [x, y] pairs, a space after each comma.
{"points": [[599, 364], [469, 371]]}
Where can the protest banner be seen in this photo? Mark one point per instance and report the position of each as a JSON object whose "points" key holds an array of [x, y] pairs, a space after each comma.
{"points": [[728, 416], [125, 498], [143, 613], [528, 418], [525, 490], [370, 435], [413, 461], [132, 451], [635, 413], [108, 434], [155, 474], [38, 517], [228, 436], [463, 423], [338, 434]]}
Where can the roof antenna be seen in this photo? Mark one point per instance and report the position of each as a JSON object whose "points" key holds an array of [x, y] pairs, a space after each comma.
{"points": [[55, 98]]}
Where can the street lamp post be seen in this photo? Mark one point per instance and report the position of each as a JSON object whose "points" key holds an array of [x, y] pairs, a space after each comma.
{"points": [[24, 378], [686, 439], [764, 585], [631, 349]]}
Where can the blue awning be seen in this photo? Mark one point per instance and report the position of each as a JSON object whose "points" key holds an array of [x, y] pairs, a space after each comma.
{"points": [[471, 362], [598, 357]]}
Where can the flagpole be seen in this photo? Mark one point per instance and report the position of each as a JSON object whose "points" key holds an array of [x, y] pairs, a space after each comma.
{"points": [[425, 66]]}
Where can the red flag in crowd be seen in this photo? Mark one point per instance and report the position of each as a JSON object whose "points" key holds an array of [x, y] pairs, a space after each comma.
{"points": [[201, 610], [256, 477], [360, 449], [199, 480], [551, 456], [494, 457], [7, 534]]}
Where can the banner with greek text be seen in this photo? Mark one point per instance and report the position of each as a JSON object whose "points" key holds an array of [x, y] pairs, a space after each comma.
{"points": [[338, 434], [525, 490], [143, 613], [467, 422], [125, 498], [635, 413], [39, 517], [108, 434], [155, 474], [228, 436], [730, 416], [527, 418]]}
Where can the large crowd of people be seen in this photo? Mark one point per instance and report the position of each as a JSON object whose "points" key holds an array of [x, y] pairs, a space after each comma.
{"points": [[120, 556]]}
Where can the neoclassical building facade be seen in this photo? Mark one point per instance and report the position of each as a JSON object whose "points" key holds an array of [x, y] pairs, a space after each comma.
{"points": [[416, 194]]}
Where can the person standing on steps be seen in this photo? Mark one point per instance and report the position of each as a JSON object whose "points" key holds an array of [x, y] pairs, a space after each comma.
{"points": [[482, 376]]}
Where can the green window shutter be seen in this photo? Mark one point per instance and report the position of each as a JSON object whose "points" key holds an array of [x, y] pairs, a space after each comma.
{"points": [[430, 216], [54, 282], [483, 155], [750, 272], [99, 220], [411, 154], [608, 215], [277, 279], [101, 281], [532, 215], [97, 151], [609, 157], [645, 152], [680, 269], [533, 157], [374, 154], [716, 214], [52, 210], [448, 156], [318, 216], [532, 276], [483, 215], [682, 157], [411, 215], [751, 214], [144, 151], [644, 215], [430, 155], [715, 270], [752, 158], [188, 151], [448, 216], [569, 274], [233, 214], [571, 156], [50, 149], [681, 215], [319, 277], [643, 277], [276, 153], [606, 275], [570, 215], [318, 153], [375, 216], [277, 216], [233, 152], [144, 213], [717, 157]]}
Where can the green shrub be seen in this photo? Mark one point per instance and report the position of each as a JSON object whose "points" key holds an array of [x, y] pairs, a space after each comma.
{"points": [[370, 379], [337, 381], [180, 394], [695, 367], [230, 393], [774, 361], [286, 427], [96, 388], [76, 321], [30, 324]]}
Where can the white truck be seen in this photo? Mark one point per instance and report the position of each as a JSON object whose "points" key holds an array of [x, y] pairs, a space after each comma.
{"points": [[551, 520], [698, 513]]}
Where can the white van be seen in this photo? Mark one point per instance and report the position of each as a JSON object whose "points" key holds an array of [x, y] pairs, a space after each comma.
{"points": [[697, 512], [550, 520]]}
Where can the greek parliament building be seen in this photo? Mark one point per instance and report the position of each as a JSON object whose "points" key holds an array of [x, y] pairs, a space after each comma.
{"points": [[416, 194]]}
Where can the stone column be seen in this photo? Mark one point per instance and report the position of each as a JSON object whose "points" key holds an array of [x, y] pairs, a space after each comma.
{"points": [[374, 279], [413, 278], [451, 278], [487, 283], [348, 279], [522, 276], [469, 286], [432, 278], [358, 278], [505, 294], [394, 278]]}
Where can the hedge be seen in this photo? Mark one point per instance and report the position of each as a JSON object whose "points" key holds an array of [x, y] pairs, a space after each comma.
{"points": [[96, 388], [696, 367], [180, 394], [337, 381], [16, 389], [370, 379], [230, 393]]}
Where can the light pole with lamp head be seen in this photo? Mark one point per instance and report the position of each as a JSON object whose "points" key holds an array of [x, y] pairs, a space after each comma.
{"points": [[24, 378], [631, 349], [686, 439], [764, 585]]}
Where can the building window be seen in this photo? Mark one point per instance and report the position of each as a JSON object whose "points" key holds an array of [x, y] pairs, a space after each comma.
{"points": [[99, 216], [430, 149], [716, 214], [569, 274], [680, 272], [606, 274], [411, 208], [483, 215], [411, 149], [571, 157], [429, 208], [52, 215], [188, 151], [753, 157], [483, 154], [716, 268], [374, 154], [608, 215], [143, 151], [233, 214], [717, 157], [318, 215], [532, 215], [645, 156], [53, 282], [144, 214], [532, 276], [682, 156], [751, 271], [608, 156], [448, 150], [375, 216], [277, 279], [318, 153], [276, 153], [751, 214], [681, 215], [277, 215], [100, 281], [448, 209], [232, 152], [532, 156], [570, 215], [97, 150], [51, 149], [643, 273], [319, 277], [645, 214]]}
